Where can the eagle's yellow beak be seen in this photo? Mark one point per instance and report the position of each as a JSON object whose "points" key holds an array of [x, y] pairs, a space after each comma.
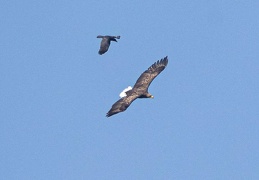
{"points": [[151, 96]]}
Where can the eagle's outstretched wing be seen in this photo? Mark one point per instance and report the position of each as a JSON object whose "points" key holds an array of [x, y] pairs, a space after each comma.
{"points": [[122, 104], [149, 75]]}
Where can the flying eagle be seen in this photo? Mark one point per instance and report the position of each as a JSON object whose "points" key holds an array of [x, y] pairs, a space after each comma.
{"points": [[140, 89], [105, 43]]}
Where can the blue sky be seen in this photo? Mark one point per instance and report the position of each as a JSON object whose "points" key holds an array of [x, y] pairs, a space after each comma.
{"points": [[56, 89]]}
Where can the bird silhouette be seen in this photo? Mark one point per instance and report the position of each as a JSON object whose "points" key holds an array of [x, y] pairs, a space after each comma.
{"points": [[105, 43]]}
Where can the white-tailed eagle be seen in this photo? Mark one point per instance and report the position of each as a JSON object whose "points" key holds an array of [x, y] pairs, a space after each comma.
{"points": [[140, 89]]}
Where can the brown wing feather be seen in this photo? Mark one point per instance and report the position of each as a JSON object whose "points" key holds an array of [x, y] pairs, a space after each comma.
{"points": [[122, 104], [149, 75]]}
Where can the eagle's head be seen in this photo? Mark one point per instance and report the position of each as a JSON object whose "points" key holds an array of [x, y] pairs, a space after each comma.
{"points": [[149, 95]]}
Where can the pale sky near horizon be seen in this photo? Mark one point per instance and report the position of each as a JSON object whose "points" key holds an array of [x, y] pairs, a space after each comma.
{"points": [[56, 90]]}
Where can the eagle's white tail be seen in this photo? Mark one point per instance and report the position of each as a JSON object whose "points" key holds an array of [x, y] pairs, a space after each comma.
{"points": [[123, 93]]}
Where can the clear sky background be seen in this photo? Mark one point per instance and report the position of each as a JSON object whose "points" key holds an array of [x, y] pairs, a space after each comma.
{"points": [[56, 90]]}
